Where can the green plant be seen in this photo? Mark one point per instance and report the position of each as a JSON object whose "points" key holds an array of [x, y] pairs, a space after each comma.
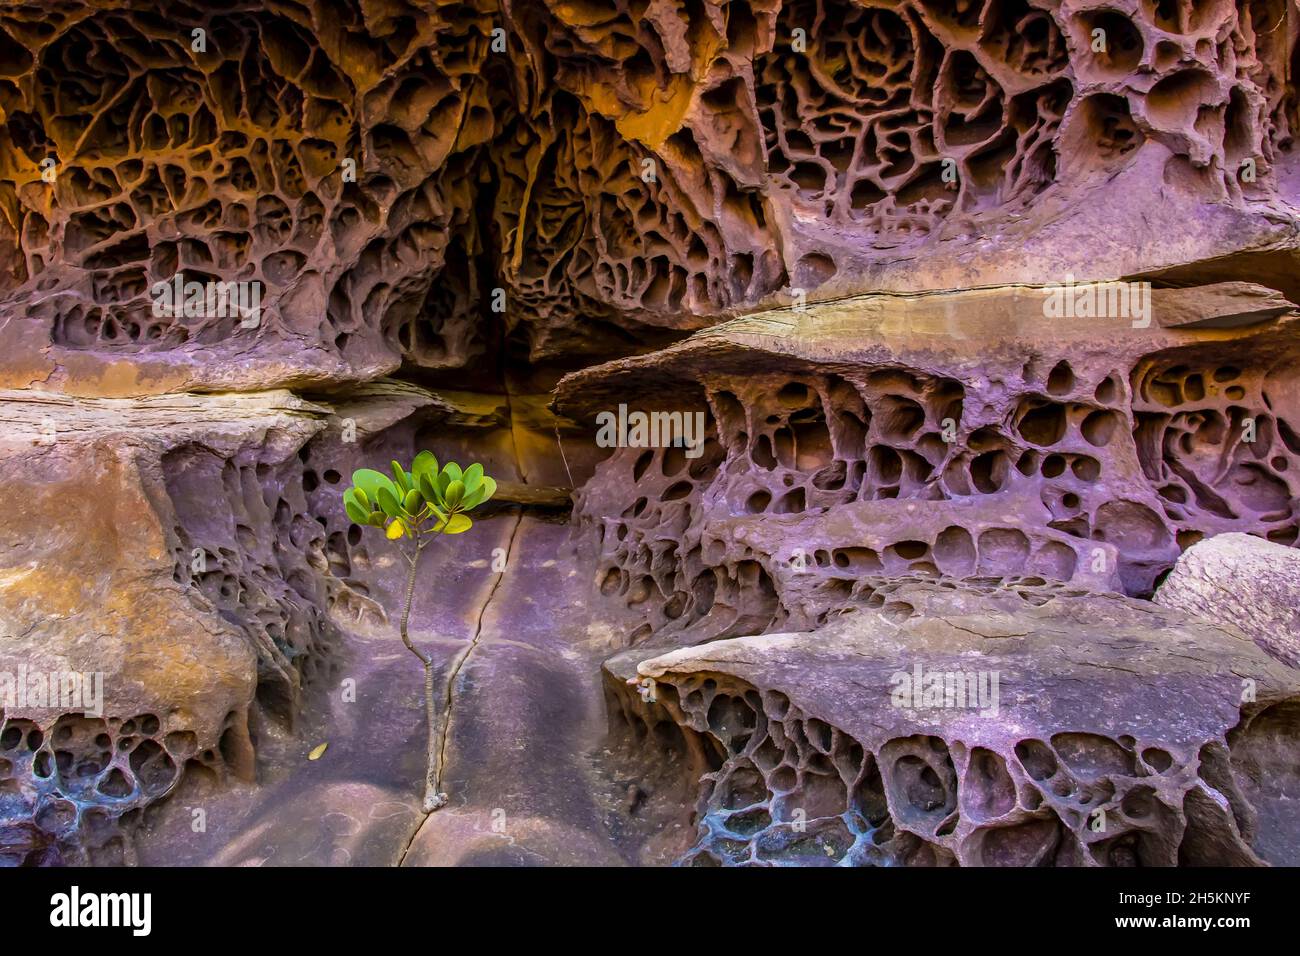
{"points": [[415, 506]]}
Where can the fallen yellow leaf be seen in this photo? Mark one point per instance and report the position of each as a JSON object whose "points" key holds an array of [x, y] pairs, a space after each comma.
{"points": [[316, 752]]}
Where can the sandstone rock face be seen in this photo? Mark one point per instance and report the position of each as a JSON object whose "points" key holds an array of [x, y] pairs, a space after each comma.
{"points": [[627, 171], [860, 451], [94, 581], [814, 758], [839, 237], [1240, 581], [194, 552], [955, 434]]}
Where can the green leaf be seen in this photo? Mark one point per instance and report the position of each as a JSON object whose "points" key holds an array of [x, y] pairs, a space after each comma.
{"points": [[424, 464], [455, 494], [484, 491], [412, 501], [357, 513], [370, 481], [458, 524], [377, 519], [429, 489], [388, 501], [361, 497], [472, 478], [452, 470], [402, 478]]}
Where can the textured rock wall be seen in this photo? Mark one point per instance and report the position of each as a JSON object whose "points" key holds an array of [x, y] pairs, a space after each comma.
{"points": [[807, 758], [1078, 451], [861, 462], [823, 225], [194, 552], [617, 171], [94, 584]]}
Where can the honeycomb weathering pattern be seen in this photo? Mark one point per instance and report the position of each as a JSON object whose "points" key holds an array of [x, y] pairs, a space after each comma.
{"points": [[619, 171], [234, 569], [798, 772], [227, 163], [82, 784], [829, 463], [1081, 457], [483, 191], [92, 586]]}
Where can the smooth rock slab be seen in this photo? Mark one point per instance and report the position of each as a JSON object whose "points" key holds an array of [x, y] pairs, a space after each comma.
{"points": [[1241, 581]]}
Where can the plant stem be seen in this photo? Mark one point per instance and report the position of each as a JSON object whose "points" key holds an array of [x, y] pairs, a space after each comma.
{"points": [[432, 799], [413, 560]]}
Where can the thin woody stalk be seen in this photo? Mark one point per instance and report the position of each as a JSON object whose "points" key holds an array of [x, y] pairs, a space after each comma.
{"points": [[432, 798], [404, 506]]}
